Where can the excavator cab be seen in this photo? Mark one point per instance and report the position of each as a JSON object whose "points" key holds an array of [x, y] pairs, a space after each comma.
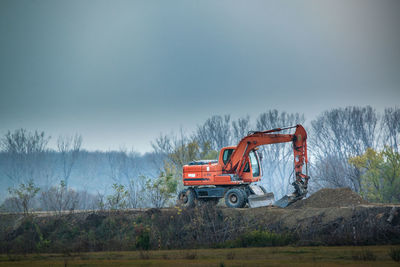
{"points": [[252, 167]]}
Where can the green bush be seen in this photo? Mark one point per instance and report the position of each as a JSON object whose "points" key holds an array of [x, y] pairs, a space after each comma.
{"points": [[29, 239], [142, 237], [259, 238]]}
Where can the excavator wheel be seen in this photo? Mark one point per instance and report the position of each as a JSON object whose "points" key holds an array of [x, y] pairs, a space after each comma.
{"points": [[243, 191], [186, 198], [234, 198]]}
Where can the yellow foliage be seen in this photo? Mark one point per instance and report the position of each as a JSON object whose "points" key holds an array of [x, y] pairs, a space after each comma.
{"points": [[380, 174]]}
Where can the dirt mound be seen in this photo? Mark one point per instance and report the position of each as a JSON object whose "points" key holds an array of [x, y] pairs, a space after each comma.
{"points": [[328, 197]]}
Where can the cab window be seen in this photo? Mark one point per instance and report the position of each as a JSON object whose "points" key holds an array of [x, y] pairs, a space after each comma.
{"points": [[227, 155], [254, 164], [246, 167]]}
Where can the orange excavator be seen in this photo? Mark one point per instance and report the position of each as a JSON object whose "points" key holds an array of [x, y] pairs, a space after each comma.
{"points": [[233, 175]]}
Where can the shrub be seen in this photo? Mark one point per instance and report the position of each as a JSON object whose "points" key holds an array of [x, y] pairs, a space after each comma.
{"points": [[30, 238], [259, 238], [143, 237], [119, 199], [59, 198], [24, 195], [394, 253]]}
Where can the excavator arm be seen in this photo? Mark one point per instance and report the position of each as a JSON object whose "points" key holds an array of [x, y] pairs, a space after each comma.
{"points": [[239, 157]]}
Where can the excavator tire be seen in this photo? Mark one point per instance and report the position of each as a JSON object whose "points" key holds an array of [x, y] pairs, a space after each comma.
{"points": [[234, 198], [243, 191], [186, 198]]}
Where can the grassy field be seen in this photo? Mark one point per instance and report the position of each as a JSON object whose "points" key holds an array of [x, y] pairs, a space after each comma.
{"points": [[268, 256]]}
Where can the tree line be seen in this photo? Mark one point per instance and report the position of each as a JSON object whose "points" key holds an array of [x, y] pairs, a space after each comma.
{"points": [[354, 147]]}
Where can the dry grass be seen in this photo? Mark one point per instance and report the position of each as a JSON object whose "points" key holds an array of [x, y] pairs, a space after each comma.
{"points": [[276, 256]]}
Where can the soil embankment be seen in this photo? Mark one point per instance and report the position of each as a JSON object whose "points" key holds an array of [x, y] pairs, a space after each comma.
{"points": [[328, 217], [332, 217]]}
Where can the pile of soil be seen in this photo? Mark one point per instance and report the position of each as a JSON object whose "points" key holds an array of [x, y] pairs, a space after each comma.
{"points": [[329, 198]]}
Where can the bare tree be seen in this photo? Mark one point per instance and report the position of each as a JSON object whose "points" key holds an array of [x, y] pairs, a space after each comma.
{"points": [[59, 198], [216, 130], [124, 171], [277, 158], [163, 144], [69, 148], [180, 150], [136, 194], [241, 127], [86, 200], [390, 126], [162, 147], [23, 142], [336, 136], [26, 156], [122, 165]]}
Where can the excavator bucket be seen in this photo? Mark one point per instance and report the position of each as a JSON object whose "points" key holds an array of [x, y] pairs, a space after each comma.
{"points": [[256, 201], [299, 193], [260, 197], [284, 201]]}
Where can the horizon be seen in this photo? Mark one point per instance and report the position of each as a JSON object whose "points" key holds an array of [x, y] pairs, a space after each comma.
{"points": [[52, 144]]}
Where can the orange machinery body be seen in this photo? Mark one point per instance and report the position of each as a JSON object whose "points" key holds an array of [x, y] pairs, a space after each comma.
{"points": [[232, 171], [212, 174]]}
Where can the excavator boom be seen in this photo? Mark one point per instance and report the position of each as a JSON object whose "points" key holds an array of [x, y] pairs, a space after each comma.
{"points": [[255, 139]]}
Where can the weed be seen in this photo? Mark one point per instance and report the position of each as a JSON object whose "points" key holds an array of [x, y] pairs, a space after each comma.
{"points": [[297, 251], [222, 264], [144, 255], [13, 257], [364, 255], [231, 255], [191, 256], [394, 253], [258, 238]]}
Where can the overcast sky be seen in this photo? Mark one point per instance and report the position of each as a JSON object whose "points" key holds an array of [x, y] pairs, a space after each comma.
{"points": [[121, 72]]}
